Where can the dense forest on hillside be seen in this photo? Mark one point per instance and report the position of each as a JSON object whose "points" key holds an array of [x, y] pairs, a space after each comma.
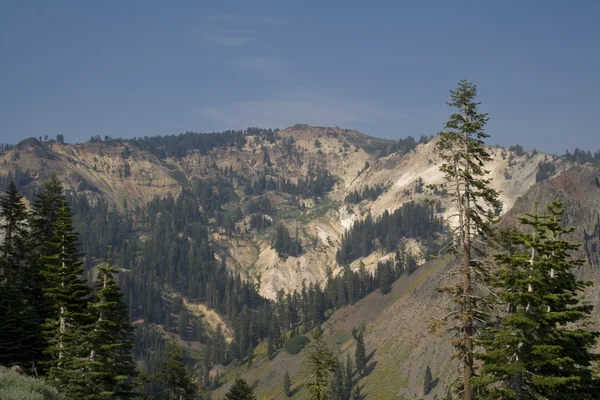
{"points": [[386, 232]]}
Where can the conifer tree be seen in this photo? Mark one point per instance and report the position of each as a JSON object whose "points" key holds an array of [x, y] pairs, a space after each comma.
{"points": [[19, 328], [463, 153], [177, 383], [44, 214], [240, 391], [111, 367], [19, 331], [13, 225], [320, 364], [287, 384], [348, 380], [68, 292], [360, 353], [542, 348], [337, 382]]}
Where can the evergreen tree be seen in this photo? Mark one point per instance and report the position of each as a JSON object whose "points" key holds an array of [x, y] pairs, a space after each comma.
{"points": [[44, 214], [19, 331], [287, 384], [112, 367], [13, 225], [542, 348], [337, 382], [176, 381], [360, 353], [464, 155], [348, 380], [19, 328], [68, 292], [320, 364], [240, 391]]}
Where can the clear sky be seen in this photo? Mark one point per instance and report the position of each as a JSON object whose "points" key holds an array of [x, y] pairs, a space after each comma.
{"points": [[128, 68]]}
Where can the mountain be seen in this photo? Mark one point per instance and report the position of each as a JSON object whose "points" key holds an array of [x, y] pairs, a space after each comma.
{"points": [[317, 183], [120, 172]]}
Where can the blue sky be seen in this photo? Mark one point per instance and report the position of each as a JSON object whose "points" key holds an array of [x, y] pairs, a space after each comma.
{"points": [[134, 68]]}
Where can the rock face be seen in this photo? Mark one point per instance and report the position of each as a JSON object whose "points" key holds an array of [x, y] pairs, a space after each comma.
{"points": [[397, 341], [121, 173]]}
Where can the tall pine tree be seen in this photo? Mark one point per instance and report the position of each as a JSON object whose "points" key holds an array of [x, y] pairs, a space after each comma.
{"points": [[111, 370], [68, 293], [42, 218], [463, 153], [19, 330], [13, 224], [177, 383], [240, 391], [321, 365], [542, 348]]}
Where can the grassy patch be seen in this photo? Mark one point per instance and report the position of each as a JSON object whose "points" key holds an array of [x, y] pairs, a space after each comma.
{"points": [[18, 387], [296, 344]]}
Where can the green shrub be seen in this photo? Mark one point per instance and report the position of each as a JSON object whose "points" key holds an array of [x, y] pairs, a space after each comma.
{"points": [[18, 387], [296, 344]]}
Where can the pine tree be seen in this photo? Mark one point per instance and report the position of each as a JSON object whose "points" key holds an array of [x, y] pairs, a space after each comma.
{"points": [[464, 155], [348, 378], [360, 353], [287, 384], [240, 391], [320, 364], [112, 366], [176, 381], [19, 330], [13, 225], [337, 382], [44, 214], [68, 292], [542, 348]]}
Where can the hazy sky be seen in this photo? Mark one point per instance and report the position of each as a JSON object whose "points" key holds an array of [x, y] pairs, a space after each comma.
{"points": [[128, 68]]}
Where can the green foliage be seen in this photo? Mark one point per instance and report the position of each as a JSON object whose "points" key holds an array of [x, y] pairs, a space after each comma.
{"points": [[316, 184], [517, 149], [545, 170], [180, 145], [320, 364], [411, 220], [176, 381], [87, 335], [67, 290], [464, 156], [367, 193], [581, 156], [240, 391], [360, 355], [111, 369], [295, 344], [284, 244], [287, 384], [19, 331], [14, 386], [542, 347]]}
